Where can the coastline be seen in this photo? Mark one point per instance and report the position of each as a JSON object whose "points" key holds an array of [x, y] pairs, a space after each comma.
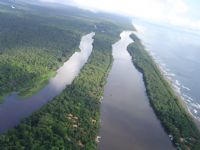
{"points": [[167, 104], [175, 92], [179, 97]]}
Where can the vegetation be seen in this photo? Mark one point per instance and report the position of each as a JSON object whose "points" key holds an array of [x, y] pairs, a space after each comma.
{"points": [[31, 52], [164, 101], [35, 41], [71, 120]]}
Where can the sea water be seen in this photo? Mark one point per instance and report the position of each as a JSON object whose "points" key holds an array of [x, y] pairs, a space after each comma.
{"points": [[177, 52]]}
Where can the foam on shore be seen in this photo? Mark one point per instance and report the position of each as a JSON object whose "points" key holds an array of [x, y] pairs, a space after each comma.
{"points": [[192, 105]]}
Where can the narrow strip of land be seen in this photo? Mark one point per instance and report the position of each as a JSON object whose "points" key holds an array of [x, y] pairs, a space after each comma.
{"points": [[167, 106], [127, 120], [71, 120]]}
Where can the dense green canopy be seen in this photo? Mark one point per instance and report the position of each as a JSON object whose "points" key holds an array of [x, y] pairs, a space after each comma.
{"points": [[164, 101]]}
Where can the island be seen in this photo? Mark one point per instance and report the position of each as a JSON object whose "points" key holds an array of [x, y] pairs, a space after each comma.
{"points": [[35, 41]]}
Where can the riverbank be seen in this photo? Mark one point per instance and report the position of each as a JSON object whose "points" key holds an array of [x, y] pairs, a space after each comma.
{"points": [[71, 120], [167, 106], [127, 120], [31, 52], [16, 108]]}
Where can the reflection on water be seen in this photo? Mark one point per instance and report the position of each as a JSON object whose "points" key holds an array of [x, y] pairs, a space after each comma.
{"points": [[14, 109], [127, 120]]}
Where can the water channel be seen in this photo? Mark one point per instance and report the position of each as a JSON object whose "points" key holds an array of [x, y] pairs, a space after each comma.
{"points": [[14, 109]]}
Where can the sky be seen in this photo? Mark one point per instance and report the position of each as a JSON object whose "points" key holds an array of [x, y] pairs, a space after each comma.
{"points": [[183, 13]]}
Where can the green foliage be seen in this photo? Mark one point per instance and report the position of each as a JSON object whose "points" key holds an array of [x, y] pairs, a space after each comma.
{"points": [[164, 101], [31, 52], [35, 41], [71, 120]]}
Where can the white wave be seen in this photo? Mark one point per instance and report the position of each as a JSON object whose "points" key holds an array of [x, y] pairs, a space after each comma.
{"points": [[188, 97], [177, 83], [195, 105], [163, 70], [184, 87], [198, 118], [163, 64], [189, 110], [171, 74], [187, 100], [195, 111], [193, 108], [178, 90]]}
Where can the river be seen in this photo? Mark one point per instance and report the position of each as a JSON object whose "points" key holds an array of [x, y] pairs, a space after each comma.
{"points": [[127, 119], [177, 53], [14, 109]]}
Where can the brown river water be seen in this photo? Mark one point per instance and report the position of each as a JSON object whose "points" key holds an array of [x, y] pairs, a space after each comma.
{"points": [[127, 119]]}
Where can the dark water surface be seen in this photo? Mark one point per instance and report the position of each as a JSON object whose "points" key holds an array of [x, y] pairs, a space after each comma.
{"points": [[14, 109], [127, 120], [177, 52]]}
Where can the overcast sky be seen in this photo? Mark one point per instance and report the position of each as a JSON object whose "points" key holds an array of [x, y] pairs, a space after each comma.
{"points": [[183, 13]]}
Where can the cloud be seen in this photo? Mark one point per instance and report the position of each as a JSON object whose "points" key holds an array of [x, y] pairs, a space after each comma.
{"points": [[173, 12], [141, 8], [58, 1]]}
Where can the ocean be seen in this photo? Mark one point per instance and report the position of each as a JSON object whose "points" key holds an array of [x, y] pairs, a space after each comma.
{"points": [[177, 52]]}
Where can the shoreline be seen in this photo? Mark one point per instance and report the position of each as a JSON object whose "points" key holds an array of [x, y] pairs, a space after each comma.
{"points": [[167, 105], [170, 83], [74, 116], [32, 89], [129, 109], [25, 106], [167, 77], [178, 95]]}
